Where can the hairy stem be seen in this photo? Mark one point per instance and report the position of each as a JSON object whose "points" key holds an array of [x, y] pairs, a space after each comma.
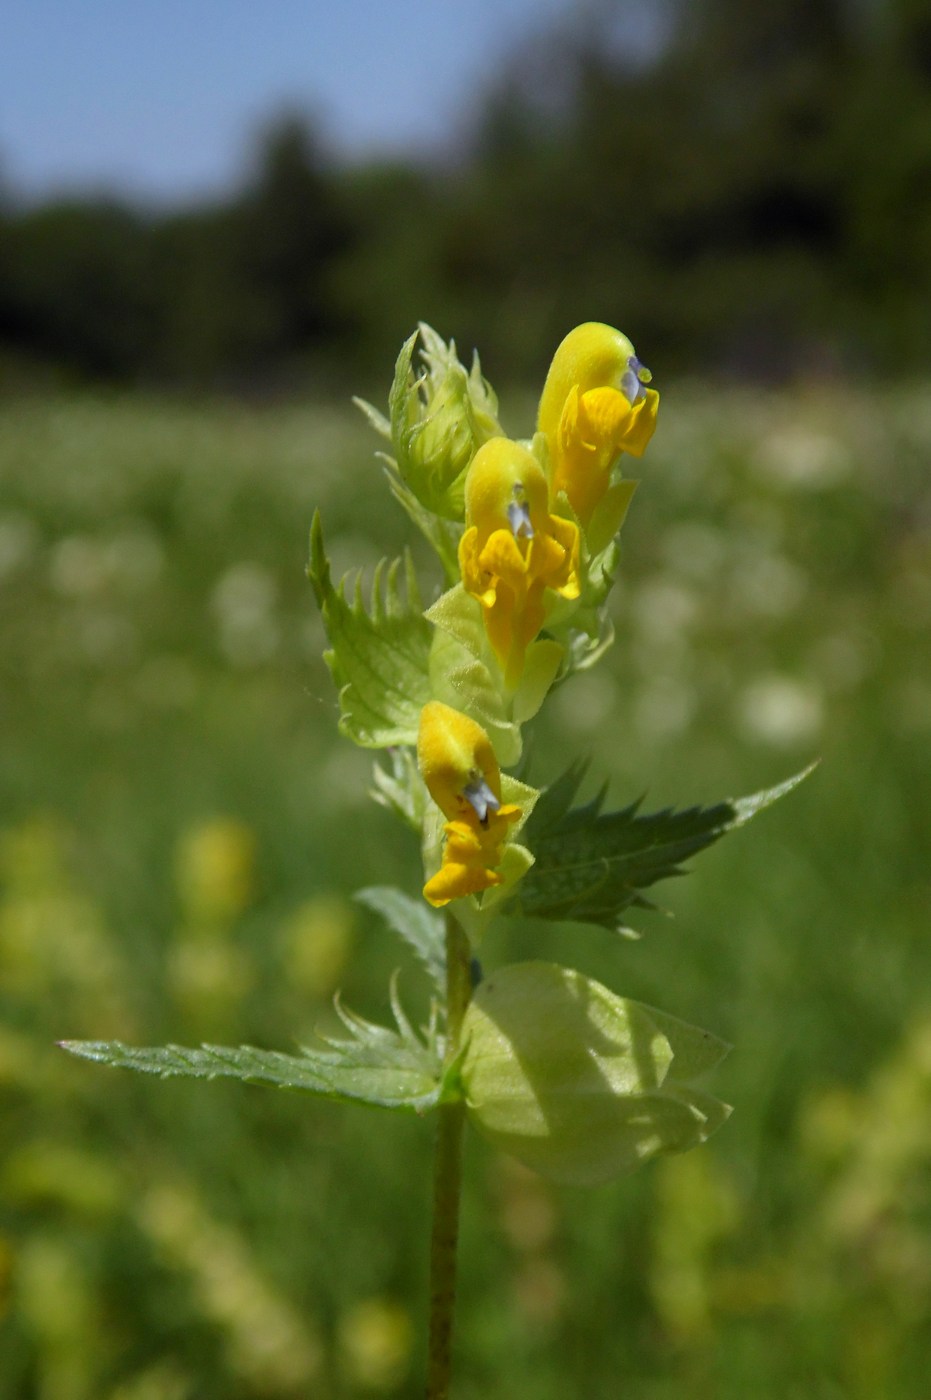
{"points": [[447, 1178]]}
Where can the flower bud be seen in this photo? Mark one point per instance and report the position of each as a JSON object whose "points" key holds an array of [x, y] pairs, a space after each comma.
{"points": [[580, 1084], [439, 419]]}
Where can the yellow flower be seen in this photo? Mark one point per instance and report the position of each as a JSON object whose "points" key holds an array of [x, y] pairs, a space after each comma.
{"points": [[513, 549], [595, 405], [462, 775]]}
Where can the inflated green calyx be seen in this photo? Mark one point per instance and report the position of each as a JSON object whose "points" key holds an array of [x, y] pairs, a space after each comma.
{"points": [[580, 1084]]}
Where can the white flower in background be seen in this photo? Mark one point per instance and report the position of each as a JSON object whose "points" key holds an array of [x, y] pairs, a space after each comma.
{"points": [[695, 551], [167, 682], [664, 708], [77, 567], [767, 585], [243, 603], [911, 705], [663, 611], [84, 566], [781, 710], [910, 594], [105, 638], [19, 538], [592, 701], [802, 457], [845, 659], [134, 558]]}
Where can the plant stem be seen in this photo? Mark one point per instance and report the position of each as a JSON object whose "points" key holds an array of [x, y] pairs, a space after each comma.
{"points": [[447, 1177]]}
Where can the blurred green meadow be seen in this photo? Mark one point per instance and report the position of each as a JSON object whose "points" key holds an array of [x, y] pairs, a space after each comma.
{"points": [[182, 829]]}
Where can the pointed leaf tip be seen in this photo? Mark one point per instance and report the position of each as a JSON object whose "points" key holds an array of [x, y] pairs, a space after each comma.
{"points": [[747, 807], [592, 865]]}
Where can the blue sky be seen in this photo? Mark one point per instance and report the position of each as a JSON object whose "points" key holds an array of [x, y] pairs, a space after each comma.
{"points": [[158, 98]]}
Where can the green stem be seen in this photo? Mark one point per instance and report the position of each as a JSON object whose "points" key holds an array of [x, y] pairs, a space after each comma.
{"points": [[447, 1177]]}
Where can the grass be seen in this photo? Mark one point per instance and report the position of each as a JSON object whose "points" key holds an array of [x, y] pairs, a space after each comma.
{"points": [[182, 830]]}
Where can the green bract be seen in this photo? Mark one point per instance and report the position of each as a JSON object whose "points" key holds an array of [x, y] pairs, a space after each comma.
{"points": [[439, 418], [379, 656], [580, 1084]]}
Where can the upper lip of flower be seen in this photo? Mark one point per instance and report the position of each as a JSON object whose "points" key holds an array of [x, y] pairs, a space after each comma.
{"points": [[595, 405]]}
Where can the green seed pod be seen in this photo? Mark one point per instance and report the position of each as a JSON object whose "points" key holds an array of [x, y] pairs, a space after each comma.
{"points": [[580, 1084]]}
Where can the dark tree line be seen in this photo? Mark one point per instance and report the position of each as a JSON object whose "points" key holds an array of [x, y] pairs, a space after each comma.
{"points": [[752, 194]]}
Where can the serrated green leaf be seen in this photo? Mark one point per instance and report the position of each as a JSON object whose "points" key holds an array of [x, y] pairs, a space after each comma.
{"points": [[383, 1086], [206, 1062], [591, 865], [374, 1065], [421, 927], [379, 656]]}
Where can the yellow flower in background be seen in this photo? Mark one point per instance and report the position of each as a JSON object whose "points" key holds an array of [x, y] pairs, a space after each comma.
{"points": [[595, 405], [513, 549], [316, 942], [462, 776], [216, 872], [376, 1337]]}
